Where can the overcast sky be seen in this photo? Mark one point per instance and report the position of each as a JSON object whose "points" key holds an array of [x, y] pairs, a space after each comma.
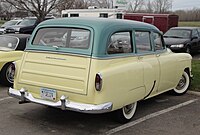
{"points": [[185, 4]]}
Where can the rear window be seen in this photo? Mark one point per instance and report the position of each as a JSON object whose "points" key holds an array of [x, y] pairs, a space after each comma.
{"points": [[63, 38], [28, 22]]}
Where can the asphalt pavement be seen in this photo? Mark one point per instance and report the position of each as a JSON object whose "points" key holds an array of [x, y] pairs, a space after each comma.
{"points": [[161, 115]]}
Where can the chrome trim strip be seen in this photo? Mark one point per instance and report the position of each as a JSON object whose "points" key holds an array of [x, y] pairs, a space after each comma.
{"points": [[51, 52], [64, 103], [106, 57]]}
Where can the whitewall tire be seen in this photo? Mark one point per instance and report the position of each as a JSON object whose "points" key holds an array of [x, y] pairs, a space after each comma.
{"points": [[7, 74], [126, 113], [183, 84]]}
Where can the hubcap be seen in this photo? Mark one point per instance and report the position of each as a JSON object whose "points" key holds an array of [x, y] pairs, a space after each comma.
{"points": [[128, 109], [188, 50], [181, 83], [10, 73]]}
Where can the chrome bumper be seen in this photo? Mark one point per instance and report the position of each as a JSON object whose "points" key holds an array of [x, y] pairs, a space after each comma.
{"points": [[64, 103]]}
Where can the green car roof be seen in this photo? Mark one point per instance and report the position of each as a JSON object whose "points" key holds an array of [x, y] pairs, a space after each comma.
{"points": [[101, 28]]}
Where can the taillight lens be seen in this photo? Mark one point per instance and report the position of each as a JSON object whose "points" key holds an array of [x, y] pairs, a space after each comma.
{"points": [[98, 81]]}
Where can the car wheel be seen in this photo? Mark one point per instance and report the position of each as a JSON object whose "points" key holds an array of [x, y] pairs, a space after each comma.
{"points": [[7, 74], [183, 84], [188, 50], [126, 113]]}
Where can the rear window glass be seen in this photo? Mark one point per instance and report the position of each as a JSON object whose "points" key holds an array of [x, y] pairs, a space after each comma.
{"points": [[63, 38], [28, 22]]}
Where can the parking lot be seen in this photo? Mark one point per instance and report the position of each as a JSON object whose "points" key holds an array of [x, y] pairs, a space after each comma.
{"points": [[164, 114]]}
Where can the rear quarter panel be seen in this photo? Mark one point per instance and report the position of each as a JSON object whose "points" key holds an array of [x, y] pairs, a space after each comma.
{"points": [[123, 81]]}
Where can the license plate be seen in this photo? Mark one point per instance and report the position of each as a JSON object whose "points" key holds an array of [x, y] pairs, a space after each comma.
{"points": [[49, 94]]}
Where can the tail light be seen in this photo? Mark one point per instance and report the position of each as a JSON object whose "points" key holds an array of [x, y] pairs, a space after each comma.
{"points": [[98, 81]]}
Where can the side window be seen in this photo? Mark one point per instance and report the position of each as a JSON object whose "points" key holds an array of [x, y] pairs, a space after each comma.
{"points": [[143, 42], [65, 15], [120, 43], [74, 15], [104, 15], [195, 33], [157, 39], [198, 31], [119, 15]]}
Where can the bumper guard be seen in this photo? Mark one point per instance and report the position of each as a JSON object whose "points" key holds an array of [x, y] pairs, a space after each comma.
{"points": [[64, 103]]}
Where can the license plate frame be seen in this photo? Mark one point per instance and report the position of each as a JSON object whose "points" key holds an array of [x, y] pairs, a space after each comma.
{"points": [[49, 94]]}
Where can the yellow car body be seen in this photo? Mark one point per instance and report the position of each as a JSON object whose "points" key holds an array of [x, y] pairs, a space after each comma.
{"points": [[94, 80], [9, 56]]}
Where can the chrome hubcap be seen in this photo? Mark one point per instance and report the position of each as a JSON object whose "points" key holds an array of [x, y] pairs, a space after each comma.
{"points": [[181, 83], [10, 73], [128, 109]]}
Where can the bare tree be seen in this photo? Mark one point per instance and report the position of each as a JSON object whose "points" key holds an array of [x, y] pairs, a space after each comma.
{"points": [[66, 4], [81, 4], [135, 5], [39, 8], [148, 7], [162, 6], [6, 10], [101, 3], [104, 3], [189, 15]]}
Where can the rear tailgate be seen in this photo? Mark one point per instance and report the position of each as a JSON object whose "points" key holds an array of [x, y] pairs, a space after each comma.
{"points": [[67, 73]]}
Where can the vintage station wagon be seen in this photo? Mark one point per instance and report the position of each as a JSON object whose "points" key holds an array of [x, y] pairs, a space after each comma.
{"points": [[98, 65]]}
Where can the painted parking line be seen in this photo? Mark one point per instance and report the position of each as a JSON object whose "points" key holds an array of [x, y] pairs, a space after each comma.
{"points": [[147, 117], [6, 98]]}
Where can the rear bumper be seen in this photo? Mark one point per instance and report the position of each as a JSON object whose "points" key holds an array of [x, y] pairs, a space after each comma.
{"points": [[64, 103]]}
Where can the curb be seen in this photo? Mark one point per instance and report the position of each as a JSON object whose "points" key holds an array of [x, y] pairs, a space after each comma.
{"points": [[194, 93]]}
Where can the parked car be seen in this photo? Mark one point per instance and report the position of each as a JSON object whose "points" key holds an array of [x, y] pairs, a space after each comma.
{"points": [[98, 65], [26, 26], [9, 23], [183, 39], [11, 49]]}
